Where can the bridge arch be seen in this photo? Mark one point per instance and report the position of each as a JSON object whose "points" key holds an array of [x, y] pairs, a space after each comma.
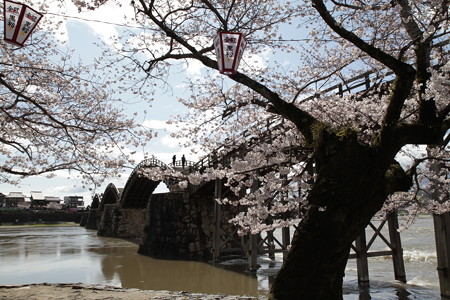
{"points": [[139, 188], [111, 195]]}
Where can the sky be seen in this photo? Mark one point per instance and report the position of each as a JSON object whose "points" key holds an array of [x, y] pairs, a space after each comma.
{"points": [[80, 34]]}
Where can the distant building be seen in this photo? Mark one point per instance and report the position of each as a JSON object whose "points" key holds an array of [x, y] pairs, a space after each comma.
{"points": [[52, 199], [74, 201], [53, 202], [37, 200], [15, 199]]}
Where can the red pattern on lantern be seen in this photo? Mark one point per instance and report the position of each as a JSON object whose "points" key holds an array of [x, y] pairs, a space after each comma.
{"points": [[229, 50], [19, 21]]}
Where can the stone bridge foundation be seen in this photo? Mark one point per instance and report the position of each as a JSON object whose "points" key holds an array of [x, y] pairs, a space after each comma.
{"points": [[92, 219], [121, 222], [178, 226]]}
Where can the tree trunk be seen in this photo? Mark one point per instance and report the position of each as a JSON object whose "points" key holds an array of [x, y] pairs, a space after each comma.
{"points": [[350, 188]]}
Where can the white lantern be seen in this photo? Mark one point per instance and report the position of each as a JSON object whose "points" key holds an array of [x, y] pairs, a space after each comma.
{"points": [[229, 49], [19, 21]]}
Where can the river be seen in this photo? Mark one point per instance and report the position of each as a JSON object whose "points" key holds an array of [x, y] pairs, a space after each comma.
{"points": [[69, 254]]}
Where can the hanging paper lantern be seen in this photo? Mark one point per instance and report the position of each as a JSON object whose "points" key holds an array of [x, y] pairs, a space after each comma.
{"points": [[19, 21], [229, 49]]}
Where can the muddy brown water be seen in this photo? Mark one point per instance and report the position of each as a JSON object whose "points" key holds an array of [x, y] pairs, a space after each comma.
{"points": [[60, 254]]}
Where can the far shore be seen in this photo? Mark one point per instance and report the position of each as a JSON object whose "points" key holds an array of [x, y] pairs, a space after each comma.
{"points": [[36, 224]]}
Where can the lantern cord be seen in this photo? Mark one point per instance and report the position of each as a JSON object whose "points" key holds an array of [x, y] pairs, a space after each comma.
{"points": [[147, 28], [96, 21]]}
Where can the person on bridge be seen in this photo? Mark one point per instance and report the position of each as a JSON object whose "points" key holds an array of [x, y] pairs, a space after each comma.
{"points": [[183, 161], [174, 159]]}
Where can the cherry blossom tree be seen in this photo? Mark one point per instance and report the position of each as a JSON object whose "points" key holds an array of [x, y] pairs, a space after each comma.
{"points": [[58, 114], [333, 160]]}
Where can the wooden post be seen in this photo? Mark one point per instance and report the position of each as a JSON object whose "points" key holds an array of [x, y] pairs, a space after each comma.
{"points": [[286, 239], [217, 217], [367, 81], [253, 240], [397, 250], [253, 252], [442, 236], [270, 244], [362, 264]]}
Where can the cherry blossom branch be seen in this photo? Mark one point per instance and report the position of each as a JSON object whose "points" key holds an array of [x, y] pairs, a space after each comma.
{"points": [[40, 172], [216, 13], [399, 67]]}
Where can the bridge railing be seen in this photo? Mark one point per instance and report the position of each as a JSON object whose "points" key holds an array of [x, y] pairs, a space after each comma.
{"points": [[179, 164]]}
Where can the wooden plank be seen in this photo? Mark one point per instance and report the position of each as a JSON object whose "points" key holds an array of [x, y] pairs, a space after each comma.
{"points": [[372, 254], [379, 253]]}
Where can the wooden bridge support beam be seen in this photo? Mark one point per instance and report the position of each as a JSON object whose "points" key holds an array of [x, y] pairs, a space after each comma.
{"points": [[217, 218], [286, 240], [270, 244], [396, 245], [362, 264], [362, 253], [442, 236], [253, 252]]}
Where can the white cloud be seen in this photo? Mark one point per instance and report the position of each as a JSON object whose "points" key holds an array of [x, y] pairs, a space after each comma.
{"points": [[171, 142], [108, 13], [255, 61], [159, 125], [100, 21], [194, 67]]}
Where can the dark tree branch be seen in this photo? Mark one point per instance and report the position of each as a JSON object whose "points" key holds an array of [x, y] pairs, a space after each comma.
{"points": [[40, 172], [420, 133], [302, 120], [407, 18], [399, 67], [216, 13], [347, 5]]}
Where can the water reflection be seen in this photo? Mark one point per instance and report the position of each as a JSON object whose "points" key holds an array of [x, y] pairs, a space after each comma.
{"points": [[74, 254], [135, 271]]}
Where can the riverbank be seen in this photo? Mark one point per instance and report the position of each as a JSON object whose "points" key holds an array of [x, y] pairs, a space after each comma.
{"points": [[38, 224], [24, 217], [98, 292]]}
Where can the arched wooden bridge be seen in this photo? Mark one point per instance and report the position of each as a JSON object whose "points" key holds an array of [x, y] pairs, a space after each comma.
{"points": [[139, 188]]}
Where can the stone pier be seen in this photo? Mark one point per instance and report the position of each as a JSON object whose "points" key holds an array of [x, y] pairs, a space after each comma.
{"points": [[121, 222], [178, 226]]}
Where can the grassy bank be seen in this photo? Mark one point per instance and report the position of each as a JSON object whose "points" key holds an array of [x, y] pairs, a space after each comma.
{"points": [[37, 224]]}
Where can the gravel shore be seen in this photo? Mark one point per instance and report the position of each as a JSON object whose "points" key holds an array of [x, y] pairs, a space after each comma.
{"points": [[80, 291]]}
